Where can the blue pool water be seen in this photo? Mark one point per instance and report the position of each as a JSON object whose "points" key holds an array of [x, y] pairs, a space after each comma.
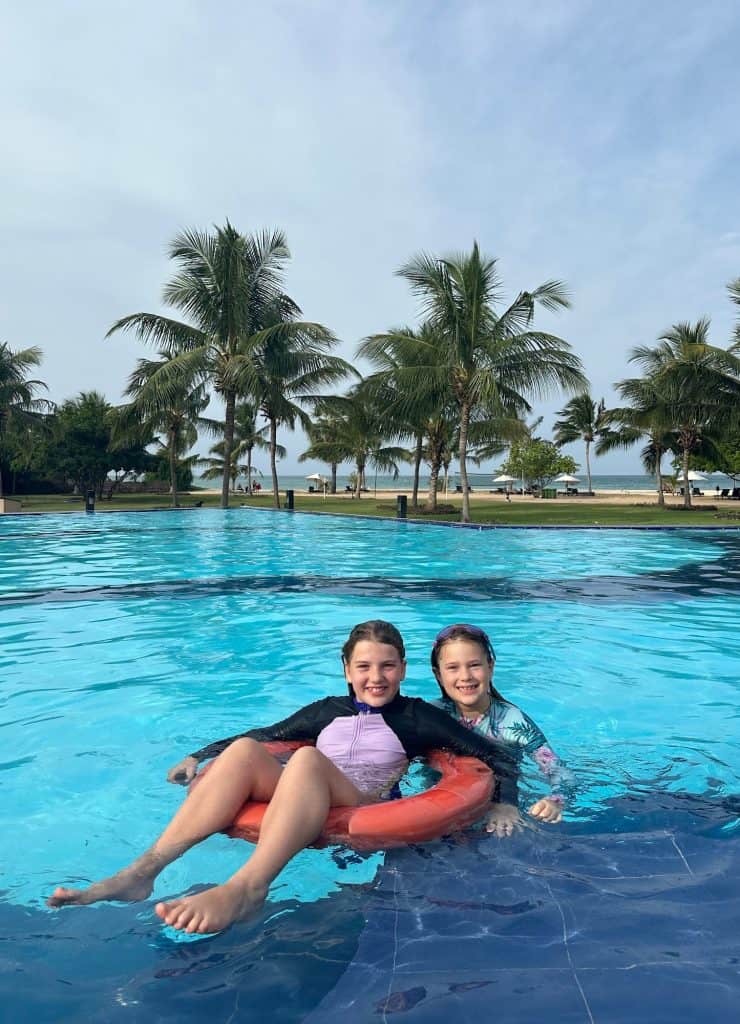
{"points": [[127, 640]]}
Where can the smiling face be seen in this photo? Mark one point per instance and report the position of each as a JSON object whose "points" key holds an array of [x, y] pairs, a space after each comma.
{"points": [[374, 671], [464, 671]]}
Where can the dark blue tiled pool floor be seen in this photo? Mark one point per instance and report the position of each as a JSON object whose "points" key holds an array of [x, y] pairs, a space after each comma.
{"points": [[553, 925], [631, 918]]}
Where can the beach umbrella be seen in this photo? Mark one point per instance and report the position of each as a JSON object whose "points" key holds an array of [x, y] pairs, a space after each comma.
{"points": [[505, 479], [566, 478], [694, 478], [319, 479]]}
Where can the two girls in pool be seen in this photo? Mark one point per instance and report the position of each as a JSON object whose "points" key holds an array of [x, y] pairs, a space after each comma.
{"points": [[363, 743]]}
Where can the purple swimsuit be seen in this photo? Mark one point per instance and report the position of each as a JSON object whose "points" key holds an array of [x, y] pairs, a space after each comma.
{"points": [[365, 749]]}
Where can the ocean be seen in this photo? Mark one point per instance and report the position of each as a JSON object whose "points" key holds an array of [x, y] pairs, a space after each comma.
{"points": [[478, 481]]}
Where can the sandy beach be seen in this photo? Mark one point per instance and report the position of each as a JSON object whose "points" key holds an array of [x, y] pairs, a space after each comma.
{"points": [[616, 497]]}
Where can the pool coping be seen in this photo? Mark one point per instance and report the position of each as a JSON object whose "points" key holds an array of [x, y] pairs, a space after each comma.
{"points": [[409, 521], [486, 526]]}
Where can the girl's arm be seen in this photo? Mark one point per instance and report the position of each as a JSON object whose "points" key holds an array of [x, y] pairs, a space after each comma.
{"points": [[517, 727], [305, 724]]}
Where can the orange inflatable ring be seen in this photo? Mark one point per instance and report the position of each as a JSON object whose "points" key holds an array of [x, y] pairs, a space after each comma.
{"points": [[457, 800]]}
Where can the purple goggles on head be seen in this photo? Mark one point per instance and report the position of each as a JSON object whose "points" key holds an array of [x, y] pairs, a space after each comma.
{"points": [[462, 630]]}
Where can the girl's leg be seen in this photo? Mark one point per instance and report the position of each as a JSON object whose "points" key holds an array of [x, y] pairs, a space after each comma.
{"points": [[309, 786], [244, 771]]}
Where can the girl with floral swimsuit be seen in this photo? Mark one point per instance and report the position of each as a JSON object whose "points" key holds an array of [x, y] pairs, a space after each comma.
{"points": [[463, 662]]}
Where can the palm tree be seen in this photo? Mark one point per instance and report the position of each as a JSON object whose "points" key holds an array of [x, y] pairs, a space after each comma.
{"points": [[228, 285], [213, 467], [290, 365], [360, 435], [247, 437], [422, 403], [438, 450], [397, 357], [321, 431], [700, 385], [162, 405], [645, 418], [734, 289], [581, 419], [490, 361], [18, 403]]}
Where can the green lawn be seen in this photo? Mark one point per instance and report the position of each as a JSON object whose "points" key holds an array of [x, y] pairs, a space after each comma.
{"points": [[534, 513], [530, 513], [119, 503]]}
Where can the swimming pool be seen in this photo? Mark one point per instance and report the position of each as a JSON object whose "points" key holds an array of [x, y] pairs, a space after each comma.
{"points": [[128, 640]]}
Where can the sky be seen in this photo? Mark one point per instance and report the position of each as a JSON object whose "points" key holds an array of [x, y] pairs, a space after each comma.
{"points": [[598, 144]]}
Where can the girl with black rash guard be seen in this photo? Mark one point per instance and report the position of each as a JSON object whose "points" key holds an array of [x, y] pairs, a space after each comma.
{"points": [[363, 743], [463, 662]]}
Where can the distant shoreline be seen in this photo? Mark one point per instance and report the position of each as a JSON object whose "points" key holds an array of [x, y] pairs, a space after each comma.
{"points": [[636, 484], [621, 497]]}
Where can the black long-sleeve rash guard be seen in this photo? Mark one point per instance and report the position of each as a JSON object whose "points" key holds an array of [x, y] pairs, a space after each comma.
{"points": [[419, 726]]}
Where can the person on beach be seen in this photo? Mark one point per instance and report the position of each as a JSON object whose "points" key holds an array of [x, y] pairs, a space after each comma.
{"points": [[463, 662], [363, 743]]}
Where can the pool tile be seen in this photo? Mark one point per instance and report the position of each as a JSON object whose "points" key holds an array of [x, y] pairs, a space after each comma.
{"points": [[462, 997], [602, 933], [680, 994], [457, 929]]}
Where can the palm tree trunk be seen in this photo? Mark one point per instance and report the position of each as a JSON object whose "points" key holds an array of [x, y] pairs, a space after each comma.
{"points": [[273, 462], [686, 482], [588, 466], [659, 478], [249, 470], [360, 477], [417, 468], [464, 423], [333, 486], [230, 400], [433, 480], [171, 443]]}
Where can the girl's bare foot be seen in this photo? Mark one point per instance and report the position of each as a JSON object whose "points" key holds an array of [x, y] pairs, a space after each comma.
{"points": [[214, 909], [132, 883]]}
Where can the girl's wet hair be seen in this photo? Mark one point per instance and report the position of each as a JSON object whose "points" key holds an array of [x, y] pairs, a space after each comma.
{"points": [[377, 630], [464, 631]]}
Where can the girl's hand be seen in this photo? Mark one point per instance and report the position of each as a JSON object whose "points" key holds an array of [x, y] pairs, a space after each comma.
{"points": [[547, 810], [503, 820], [184, 772]]}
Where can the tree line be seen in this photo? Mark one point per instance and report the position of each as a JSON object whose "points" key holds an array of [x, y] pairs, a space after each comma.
{"points": [[459, 384]]}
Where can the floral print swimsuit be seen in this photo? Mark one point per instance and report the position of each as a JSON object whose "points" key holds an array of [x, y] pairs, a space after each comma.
{"points": [[507, 722]]}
